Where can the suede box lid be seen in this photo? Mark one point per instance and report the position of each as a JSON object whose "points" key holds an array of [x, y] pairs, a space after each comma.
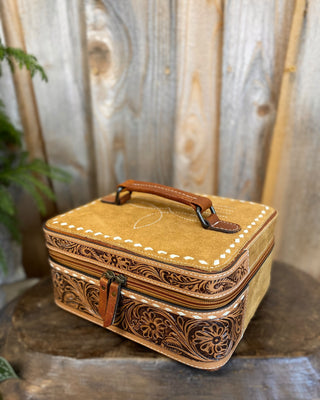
{"points": [[166, 231]]}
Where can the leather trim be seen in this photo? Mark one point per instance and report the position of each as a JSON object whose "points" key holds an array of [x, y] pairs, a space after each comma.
{"points": [[206, 286], [103, 296], [112, 304], [202, 343], [217, 224], [167, 192], [180, 196]]}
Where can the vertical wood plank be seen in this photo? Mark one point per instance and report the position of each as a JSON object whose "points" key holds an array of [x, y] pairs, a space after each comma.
{"points": [[283, 117], [255, 40], [22, 80], [7, 92], [34, 253], [199, 46], [131, 47], [54, 32], [12, 250], [296, 190]]}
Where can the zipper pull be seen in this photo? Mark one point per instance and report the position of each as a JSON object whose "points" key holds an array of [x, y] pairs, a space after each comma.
{"points": [[105, 282], [110, 291]]}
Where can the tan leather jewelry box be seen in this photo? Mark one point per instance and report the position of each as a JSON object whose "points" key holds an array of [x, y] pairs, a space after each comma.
{"points": [[177, 272]]}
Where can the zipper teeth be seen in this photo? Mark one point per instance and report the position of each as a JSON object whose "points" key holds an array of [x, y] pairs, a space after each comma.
{"points": [[228, 298], [233, 300], [167, 303], [138, 284]]}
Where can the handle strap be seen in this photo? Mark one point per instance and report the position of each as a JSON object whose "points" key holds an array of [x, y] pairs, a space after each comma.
{"points": [[198, 203]]}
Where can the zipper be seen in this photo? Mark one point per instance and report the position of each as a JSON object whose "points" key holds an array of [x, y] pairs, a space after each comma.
{"points": [[109, 296], [110, 277], [216, 306], [172, 296]]}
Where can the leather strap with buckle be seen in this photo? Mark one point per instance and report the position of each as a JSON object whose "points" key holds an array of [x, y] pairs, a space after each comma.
{"points": [[198, 203]]}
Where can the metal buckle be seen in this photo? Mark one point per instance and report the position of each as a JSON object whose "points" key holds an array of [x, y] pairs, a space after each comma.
{"points": [[118, 198], [119, 190], [204, 222], [121, 279], [110, 275]]}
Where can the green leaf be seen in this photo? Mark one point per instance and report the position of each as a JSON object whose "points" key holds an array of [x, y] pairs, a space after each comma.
{"points": [[6, 371], [11, 223], [54, 173], [6, 201], [23, 180], [22, 59], [8, 133], [42, 187], [3, 263]]}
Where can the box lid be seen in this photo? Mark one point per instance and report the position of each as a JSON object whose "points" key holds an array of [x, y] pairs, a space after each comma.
{"points": [[165, 231]]}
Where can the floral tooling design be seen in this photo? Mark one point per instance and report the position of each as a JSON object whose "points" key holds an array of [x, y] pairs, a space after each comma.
{"points": [[143, 270], [200, 340]]}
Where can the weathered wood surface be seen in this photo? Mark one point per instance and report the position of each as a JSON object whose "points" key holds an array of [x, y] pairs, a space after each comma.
{"points": [[54, 31], [199, 48], [7, 92], [177, 92], [296, 191], [255, 39], [132, 50], [33, 245], [55, 352]]}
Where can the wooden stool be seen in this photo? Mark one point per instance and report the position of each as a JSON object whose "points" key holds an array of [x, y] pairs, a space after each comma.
{"points": [[60, 356]]}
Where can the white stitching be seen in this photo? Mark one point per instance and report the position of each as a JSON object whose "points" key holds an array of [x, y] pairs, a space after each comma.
{"points": [[167, 190], [165, 285], [162, 258], [168, 267], [172, 308], [147, 344]]}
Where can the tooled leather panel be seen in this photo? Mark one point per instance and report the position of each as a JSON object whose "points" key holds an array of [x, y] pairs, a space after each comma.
{"points": [[193, 284], [204, 340]]}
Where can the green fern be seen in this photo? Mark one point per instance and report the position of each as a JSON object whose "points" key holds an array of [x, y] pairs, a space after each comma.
{"points": [[17, 56], [16, 167]]}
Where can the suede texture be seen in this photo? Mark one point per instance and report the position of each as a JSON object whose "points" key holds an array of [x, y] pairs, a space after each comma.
{"points": [[258, 287], [170, 232]]}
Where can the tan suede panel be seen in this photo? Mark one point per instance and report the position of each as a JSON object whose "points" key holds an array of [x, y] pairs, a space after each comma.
{"points": [[260, 243], [258, 287], [167, 231]]}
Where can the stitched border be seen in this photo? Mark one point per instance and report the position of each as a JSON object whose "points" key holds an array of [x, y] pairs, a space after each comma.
{"points": [[146, 299], [171, 257], [176, 269], [210, 365]]}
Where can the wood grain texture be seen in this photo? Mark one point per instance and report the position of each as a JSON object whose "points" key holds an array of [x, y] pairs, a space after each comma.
{"points": [[254, 46], [277, 145], [56, 352], [11, 249], [54, 32], [296, 191], [131, 47], [7, 92], [199, 46], [33, 246]]}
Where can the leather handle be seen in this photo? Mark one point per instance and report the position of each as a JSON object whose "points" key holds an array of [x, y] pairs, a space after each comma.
{"points": [[167, 192], [198, 203]]}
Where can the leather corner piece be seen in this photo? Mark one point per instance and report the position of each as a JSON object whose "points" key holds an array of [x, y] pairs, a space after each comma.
{"points": [[228, 227], [111, 198], [215, 224]]}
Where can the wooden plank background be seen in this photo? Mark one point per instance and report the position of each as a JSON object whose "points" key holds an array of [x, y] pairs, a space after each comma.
{"points": [[216, 97]]}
